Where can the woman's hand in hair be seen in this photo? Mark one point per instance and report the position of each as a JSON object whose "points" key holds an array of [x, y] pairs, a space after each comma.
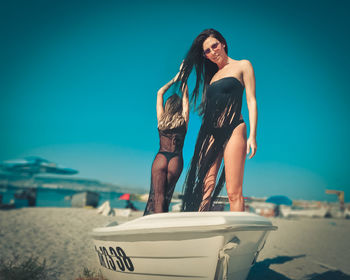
{"points": [[176, 77]]}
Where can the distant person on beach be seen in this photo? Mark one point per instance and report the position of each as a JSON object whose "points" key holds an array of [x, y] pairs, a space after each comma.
{"points": [[223, 133], [130, 205], [167, 165]]}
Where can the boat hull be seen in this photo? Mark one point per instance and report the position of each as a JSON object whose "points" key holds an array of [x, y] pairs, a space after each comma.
{"points": [[209, 252]]}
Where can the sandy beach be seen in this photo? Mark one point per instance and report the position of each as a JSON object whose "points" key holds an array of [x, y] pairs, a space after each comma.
{"points": [[300, 249]]}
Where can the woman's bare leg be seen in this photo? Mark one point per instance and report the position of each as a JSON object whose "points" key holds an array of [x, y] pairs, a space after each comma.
{"points": [[159, 182], [209, 184], [234, 159], [175, 166]]}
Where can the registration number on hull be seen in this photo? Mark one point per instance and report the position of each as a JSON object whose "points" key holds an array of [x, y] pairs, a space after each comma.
{"points": [[114, 258]]}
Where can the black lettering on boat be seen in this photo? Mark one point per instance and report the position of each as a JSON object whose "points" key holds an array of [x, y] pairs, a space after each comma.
{"points": [[100, 256], [119, 260], [105, 253], [110, 261], [107, 256], [127, 261]]}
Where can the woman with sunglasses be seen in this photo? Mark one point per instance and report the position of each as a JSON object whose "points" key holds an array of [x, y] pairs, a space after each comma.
{"points": [[168, 163], [222, 135]]}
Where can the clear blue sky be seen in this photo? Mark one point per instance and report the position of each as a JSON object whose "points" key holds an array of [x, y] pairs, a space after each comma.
{"points": [[78, 83]]}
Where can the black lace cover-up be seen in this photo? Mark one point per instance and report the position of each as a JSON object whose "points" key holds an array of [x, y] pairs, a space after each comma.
{"points": [[166, 169], [221, 116]]}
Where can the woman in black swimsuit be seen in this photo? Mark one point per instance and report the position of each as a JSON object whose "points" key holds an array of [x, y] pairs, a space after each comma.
{"points": [[168, 163], [223, 132]]}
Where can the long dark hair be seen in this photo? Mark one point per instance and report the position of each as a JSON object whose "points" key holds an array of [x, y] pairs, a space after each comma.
{"points": [[205, 69]]}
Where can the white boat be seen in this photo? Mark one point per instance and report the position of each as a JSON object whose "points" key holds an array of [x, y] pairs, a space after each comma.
{"points": [[311, 213], [190, 245]]}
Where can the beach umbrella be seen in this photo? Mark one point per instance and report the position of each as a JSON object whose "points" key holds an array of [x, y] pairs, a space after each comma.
{"points": [[125, 196], [279, 200], [33, 166]]}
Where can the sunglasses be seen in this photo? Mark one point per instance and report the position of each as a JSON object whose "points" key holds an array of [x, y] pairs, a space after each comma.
{"points": [[213, 47]]}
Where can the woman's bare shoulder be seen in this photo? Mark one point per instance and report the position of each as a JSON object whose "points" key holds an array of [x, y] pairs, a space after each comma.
{"points": [[241, 65], [245, 67], [245, 64]]}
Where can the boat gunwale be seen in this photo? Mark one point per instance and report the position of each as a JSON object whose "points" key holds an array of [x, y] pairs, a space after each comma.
{"points": [[195, 229]]}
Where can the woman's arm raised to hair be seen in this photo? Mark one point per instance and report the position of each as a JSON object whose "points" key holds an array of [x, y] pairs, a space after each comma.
{"points": [[161, 92], [185, 105], [249, 82]]}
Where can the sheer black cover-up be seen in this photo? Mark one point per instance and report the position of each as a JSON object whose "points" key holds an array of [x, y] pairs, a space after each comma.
{"points": [[166, 169], [221, 116]]}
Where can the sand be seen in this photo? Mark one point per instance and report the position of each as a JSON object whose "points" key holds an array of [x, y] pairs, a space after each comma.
{"points": [[300, 249], [305, 248], [59, 235]]}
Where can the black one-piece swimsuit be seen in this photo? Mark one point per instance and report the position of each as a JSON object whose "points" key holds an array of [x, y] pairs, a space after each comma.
{"points": [[221, 116], [166, 169]]}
